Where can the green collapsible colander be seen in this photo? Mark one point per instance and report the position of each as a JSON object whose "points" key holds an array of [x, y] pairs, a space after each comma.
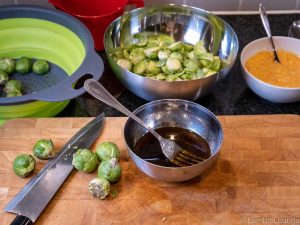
{"points": [[60, 39]]}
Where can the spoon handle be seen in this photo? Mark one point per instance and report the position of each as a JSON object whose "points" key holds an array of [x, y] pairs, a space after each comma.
{"points": [[98, 91], [266, 24]]}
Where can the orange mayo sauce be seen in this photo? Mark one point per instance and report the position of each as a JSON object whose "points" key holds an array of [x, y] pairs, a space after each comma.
{"points": [[284, 74]]}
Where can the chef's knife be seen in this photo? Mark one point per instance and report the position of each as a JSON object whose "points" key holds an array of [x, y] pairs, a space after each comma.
{"points": [[34, 197]]}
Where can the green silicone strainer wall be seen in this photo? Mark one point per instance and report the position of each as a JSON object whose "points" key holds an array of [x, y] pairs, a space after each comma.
{"points": [[41, 39]]}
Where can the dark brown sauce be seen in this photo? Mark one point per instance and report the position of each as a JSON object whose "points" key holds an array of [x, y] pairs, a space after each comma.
{"points": [[148, 147]]}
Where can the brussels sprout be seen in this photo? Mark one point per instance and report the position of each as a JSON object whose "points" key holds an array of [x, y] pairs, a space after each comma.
{"points": [[14, 94], [199, 49], [23, 65], [158, 56], [191, 55], [166, 71], [125, 64], [160, 63], [199, 74], [13, 86], [205, 63], [209, 73], [7, 65], [24, 165], [44, 149], [126, 54], [40, 66], [151, 53], [107, 151], [160, 76], [188, 47], [136, 55], [118, 53], [152, 43], [176, 46], [152, 69], [171, 78], [163, 55], [165, 40], [3, 77], [141, 67], [99, 187], [85, 160], [192, 64], [176, 55], [216, 64], [206, 56], [110, 170], [173, 65]]}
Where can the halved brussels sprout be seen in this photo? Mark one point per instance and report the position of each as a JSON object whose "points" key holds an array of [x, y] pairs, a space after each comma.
{"points": [[157, 56], [152, 69], [125, 64], [176, 55], [23, 65], [108, 150], [192, 64], [99, 187], [173, 65], [85, 160], [136, 55], [141, 67], [199, 49], [151, 53], [163, 55], [176, 46], [7, 65], [24, 165], [165, 40], [44, 149], [216, 64], [110, 170]]}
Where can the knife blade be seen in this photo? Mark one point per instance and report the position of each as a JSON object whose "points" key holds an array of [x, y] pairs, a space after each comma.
{"points": [[37, 193]]}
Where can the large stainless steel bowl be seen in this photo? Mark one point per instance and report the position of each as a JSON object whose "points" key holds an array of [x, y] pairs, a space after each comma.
{"points": [[184, 23], [174, 113]]}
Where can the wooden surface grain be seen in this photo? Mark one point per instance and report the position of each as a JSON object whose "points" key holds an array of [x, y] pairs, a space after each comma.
{"points": [[256, 179]]}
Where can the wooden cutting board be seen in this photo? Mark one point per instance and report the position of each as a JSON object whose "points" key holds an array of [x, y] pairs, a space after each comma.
{"points": [[255, 181]]}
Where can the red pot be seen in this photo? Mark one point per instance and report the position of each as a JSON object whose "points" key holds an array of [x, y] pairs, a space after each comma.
{"points": [[96, 14]]}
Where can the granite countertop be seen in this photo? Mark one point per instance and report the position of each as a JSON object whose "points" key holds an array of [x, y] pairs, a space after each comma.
{"points": [[230, 97]]}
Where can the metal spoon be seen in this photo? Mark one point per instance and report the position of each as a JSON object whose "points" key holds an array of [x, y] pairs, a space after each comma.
{"points": [[294, 30], [265, 22], [170, 149]]}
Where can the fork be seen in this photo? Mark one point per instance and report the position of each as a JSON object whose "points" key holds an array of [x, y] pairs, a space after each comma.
{"points": [[170, 149]]}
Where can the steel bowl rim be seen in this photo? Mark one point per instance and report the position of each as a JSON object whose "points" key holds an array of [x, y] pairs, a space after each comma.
{"points": [[186, 102], [279, 88], [172, 5]]}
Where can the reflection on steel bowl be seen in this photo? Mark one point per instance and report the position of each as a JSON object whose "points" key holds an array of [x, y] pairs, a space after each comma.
{"points": [[184, 23], [174, 113]]}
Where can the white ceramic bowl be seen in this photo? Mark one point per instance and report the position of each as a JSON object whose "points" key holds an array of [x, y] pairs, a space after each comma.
{"points": [[268, 91]]}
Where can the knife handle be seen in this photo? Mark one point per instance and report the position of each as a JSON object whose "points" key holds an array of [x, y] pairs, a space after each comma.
{"points": [[21, 220]]}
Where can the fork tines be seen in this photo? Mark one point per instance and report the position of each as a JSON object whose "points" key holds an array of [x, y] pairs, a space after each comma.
{"points": [[186, 158]]}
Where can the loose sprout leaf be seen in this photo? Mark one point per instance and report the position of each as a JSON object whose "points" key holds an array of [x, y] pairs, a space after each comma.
{"points": [[160, 57]]}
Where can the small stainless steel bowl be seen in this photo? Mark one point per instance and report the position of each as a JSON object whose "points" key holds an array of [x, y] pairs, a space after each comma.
{"points": [[184, 23], [174, 113]]}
